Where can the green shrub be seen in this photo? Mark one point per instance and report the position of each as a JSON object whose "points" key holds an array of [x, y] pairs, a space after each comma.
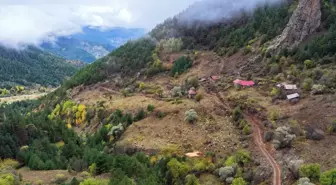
{"points": [[7, 179], [273, 115], [177, 169], [240, 157], [191, 82], [191, 116], [192, 180], [332, 127], [160, 114], [328, 177], [176, 91], [141, 114], [312, 171], [60, 178], [275, 92], [181, 65], [199, 97], [247, 130], [247, 49], [93, 169], [307, 84], [239, 181], [237, 114], [308, 64], [150, 108], [92, 181]]}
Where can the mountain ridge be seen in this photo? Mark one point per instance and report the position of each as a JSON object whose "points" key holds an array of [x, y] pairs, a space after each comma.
{"points": [[92, 43]]}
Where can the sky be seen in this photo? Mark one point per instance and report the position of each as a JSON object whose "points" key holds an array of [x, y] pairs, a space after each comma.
{"points": [[33, 21], [25, 22]]}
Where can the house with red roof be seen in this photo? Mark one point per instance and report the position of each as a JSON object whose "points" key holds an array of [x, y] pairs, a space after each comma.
{"points": [[192, 93], [215, 77], [244, 83]]}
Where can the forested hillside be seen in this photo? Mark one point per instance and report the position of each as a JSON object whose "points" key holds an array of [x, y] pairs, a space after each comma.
{"points": [[32, 66]]}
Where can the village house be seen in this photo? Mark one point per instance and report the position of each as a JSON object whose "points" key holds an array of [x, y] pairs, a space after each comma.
{"points": [[192, 93], [243, 83], [214, 78], [293, 98], [287, 89]]}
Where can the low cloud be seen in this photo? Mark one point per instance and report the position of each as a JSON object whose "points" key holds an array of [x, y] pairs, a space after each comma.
{"points": [[34, 21], [216, 10], [25, 22]]}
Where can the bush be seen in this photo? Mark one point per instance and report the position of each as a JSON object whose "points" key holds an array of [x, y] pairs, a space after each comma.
{"points": [[226, 172], [240, 157], [150, 108], [60, 178], [307, 84], [239, 181], [160, 114], [304, 181], [171, 45], [7, 179], [283, 137], [8, 164], [199, 97], [176, 91], [191, 116], [312, 171], [275, 92], [247, 49], [92, 181], [191, 83], [273, 115], [332, 127], [318, 89], [192, 180], [237, 114], [177, 169], [328, 177], [247, 129], [181, 65], [308, 64], [141, 114]]}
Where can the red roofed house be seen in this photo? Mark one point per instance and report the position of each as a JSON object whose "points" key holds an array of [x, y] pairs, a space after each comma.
{"points": [[244, 83], [215, 77], [192, 93]]}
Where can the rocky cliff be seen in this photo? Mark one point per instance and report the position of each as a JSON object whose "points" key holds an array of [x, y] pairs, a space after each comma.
{"points": [[304, 21]]}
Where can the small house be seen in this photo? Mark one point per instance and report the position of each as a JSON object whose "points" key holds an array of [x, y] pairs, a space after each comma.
{"points": [[192, 93], [287, 89], [244, 83], [290, 87], [214, 78], [293, 98]]}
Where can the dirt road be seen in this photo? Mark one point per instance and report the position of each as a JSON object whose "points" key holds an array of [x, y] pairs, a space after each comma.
{"points": [[258, 140]]}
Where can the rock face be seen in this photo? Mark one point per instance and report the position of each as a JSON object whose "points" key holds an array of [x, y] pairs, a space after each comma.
{"points": [[304, 21]]}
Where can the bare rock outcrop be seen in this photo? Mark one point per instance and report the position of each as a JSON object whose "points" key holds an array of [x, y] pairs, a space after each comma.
{"points": [[304, 21]]}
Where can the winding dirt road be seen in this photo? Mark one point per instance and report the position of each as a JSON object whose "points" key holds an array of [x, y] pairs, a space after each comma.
{"points": [[257, 137], [258, 140]]}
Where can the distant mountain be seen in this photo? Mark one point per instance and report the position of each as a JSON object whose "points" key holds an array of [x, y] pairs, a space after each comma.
{"points": [[32, 66], [92, 43]]}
